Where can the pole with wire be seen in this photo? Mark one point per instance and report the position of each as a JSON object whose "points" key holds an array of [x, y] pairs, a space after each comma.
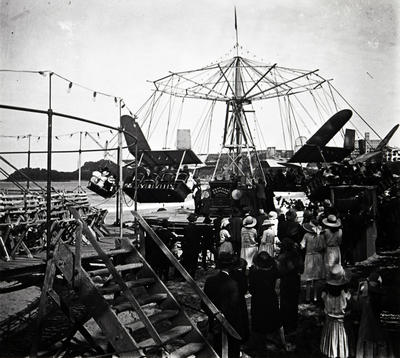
{"points": [[29, 158], [49, 158], [80, 162]]}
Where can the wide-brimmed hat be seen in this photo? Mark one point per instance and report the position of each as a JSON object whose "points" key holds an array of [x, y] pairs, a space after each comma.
{"points": [[192, 218], [337, 276], [310, 227], [249, 221], [273, 215], [226, 260], [263, 260], [332, 221], [268, 222]]}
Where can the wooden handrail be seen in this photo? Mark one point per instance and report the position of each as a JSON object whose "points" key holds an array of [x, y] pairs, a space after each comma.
{"points": [[118, 279]]}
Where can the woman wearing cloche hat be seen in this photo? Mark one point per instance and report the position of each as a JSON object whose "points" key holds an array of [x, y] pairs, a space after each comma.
{"points": [[333, 239], [248, 235]]}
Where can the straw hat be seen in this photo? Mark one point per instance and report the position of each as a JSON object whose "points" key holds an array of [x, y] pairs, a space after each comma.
{"points": [[268, 222], [337, 276], [332, 221], [249, 221], [310, 227]]}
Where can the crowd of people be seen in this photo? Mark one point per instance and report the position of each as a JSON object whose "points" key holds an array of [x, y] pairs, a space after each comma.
{"points": [[266, 256]]}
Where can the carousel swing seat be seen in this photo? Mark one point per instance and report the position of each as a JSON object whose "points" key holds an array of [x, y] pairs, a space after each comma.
{"points": [[170, 186], [101, 185]]}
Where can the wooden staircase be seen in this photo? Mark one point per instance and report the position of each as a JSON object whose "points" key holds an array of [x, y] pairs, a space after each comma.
{"points": [[137, 314]]}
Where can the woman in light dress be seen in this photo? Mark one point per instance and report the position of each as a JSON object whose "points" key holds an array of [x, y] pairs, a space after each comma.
{"points": [[249, 240], [333, 238], [268, 238], [334, 340], [314, 269]]}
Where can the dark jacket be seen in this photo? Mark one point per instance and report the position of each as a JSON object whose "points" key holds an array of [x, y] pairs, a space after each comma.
{"points": [[224, 292]]}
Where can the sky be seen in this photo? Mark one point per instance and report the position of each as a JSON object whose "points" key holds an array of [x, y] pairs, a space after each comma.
{"points": [[117, 47]]}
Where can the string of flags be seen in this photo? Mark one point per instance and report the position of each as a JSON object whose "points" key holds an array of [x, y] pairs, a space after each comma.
{"points": [[71, 84], [58, 136]]}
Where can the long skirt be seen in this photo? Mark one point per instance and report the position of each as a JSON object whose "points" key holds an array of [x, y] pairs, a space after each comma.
{"points": [[332, 257], [248, 254], [334, 342], [314, 268], [268, 248]]}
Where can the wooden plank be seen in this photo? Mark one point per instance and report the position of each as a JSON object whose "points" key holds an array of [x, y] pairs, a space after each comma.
{"points": [[156, 298], [119, 268], [167, 336], [158, 317], [136, 283], [187, 350], [47, 285]]}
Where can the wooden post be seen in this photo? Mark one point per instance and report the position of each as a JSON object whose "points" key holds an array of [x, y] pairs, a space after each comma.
{"points": [[225, 347], [77, 262]]}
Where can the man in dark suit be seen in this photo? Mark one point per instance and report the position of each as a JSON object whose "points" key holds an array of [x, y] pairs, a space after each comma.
{"points": [[191, 245], [224, 291]]}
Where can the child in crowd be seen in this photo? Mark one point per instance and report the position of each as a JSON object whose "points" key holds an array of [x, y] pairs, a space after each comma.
{"points": [[334, 340]]}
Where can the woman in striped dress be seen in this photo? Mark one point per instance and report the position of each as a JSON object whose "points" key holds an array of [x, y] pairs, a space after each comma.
{"points": [[334, 340]]}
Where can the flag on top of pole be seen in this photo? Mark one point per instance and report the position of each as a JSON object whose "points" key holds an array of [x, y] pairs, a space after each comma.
{"points": [[236, 30]]}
